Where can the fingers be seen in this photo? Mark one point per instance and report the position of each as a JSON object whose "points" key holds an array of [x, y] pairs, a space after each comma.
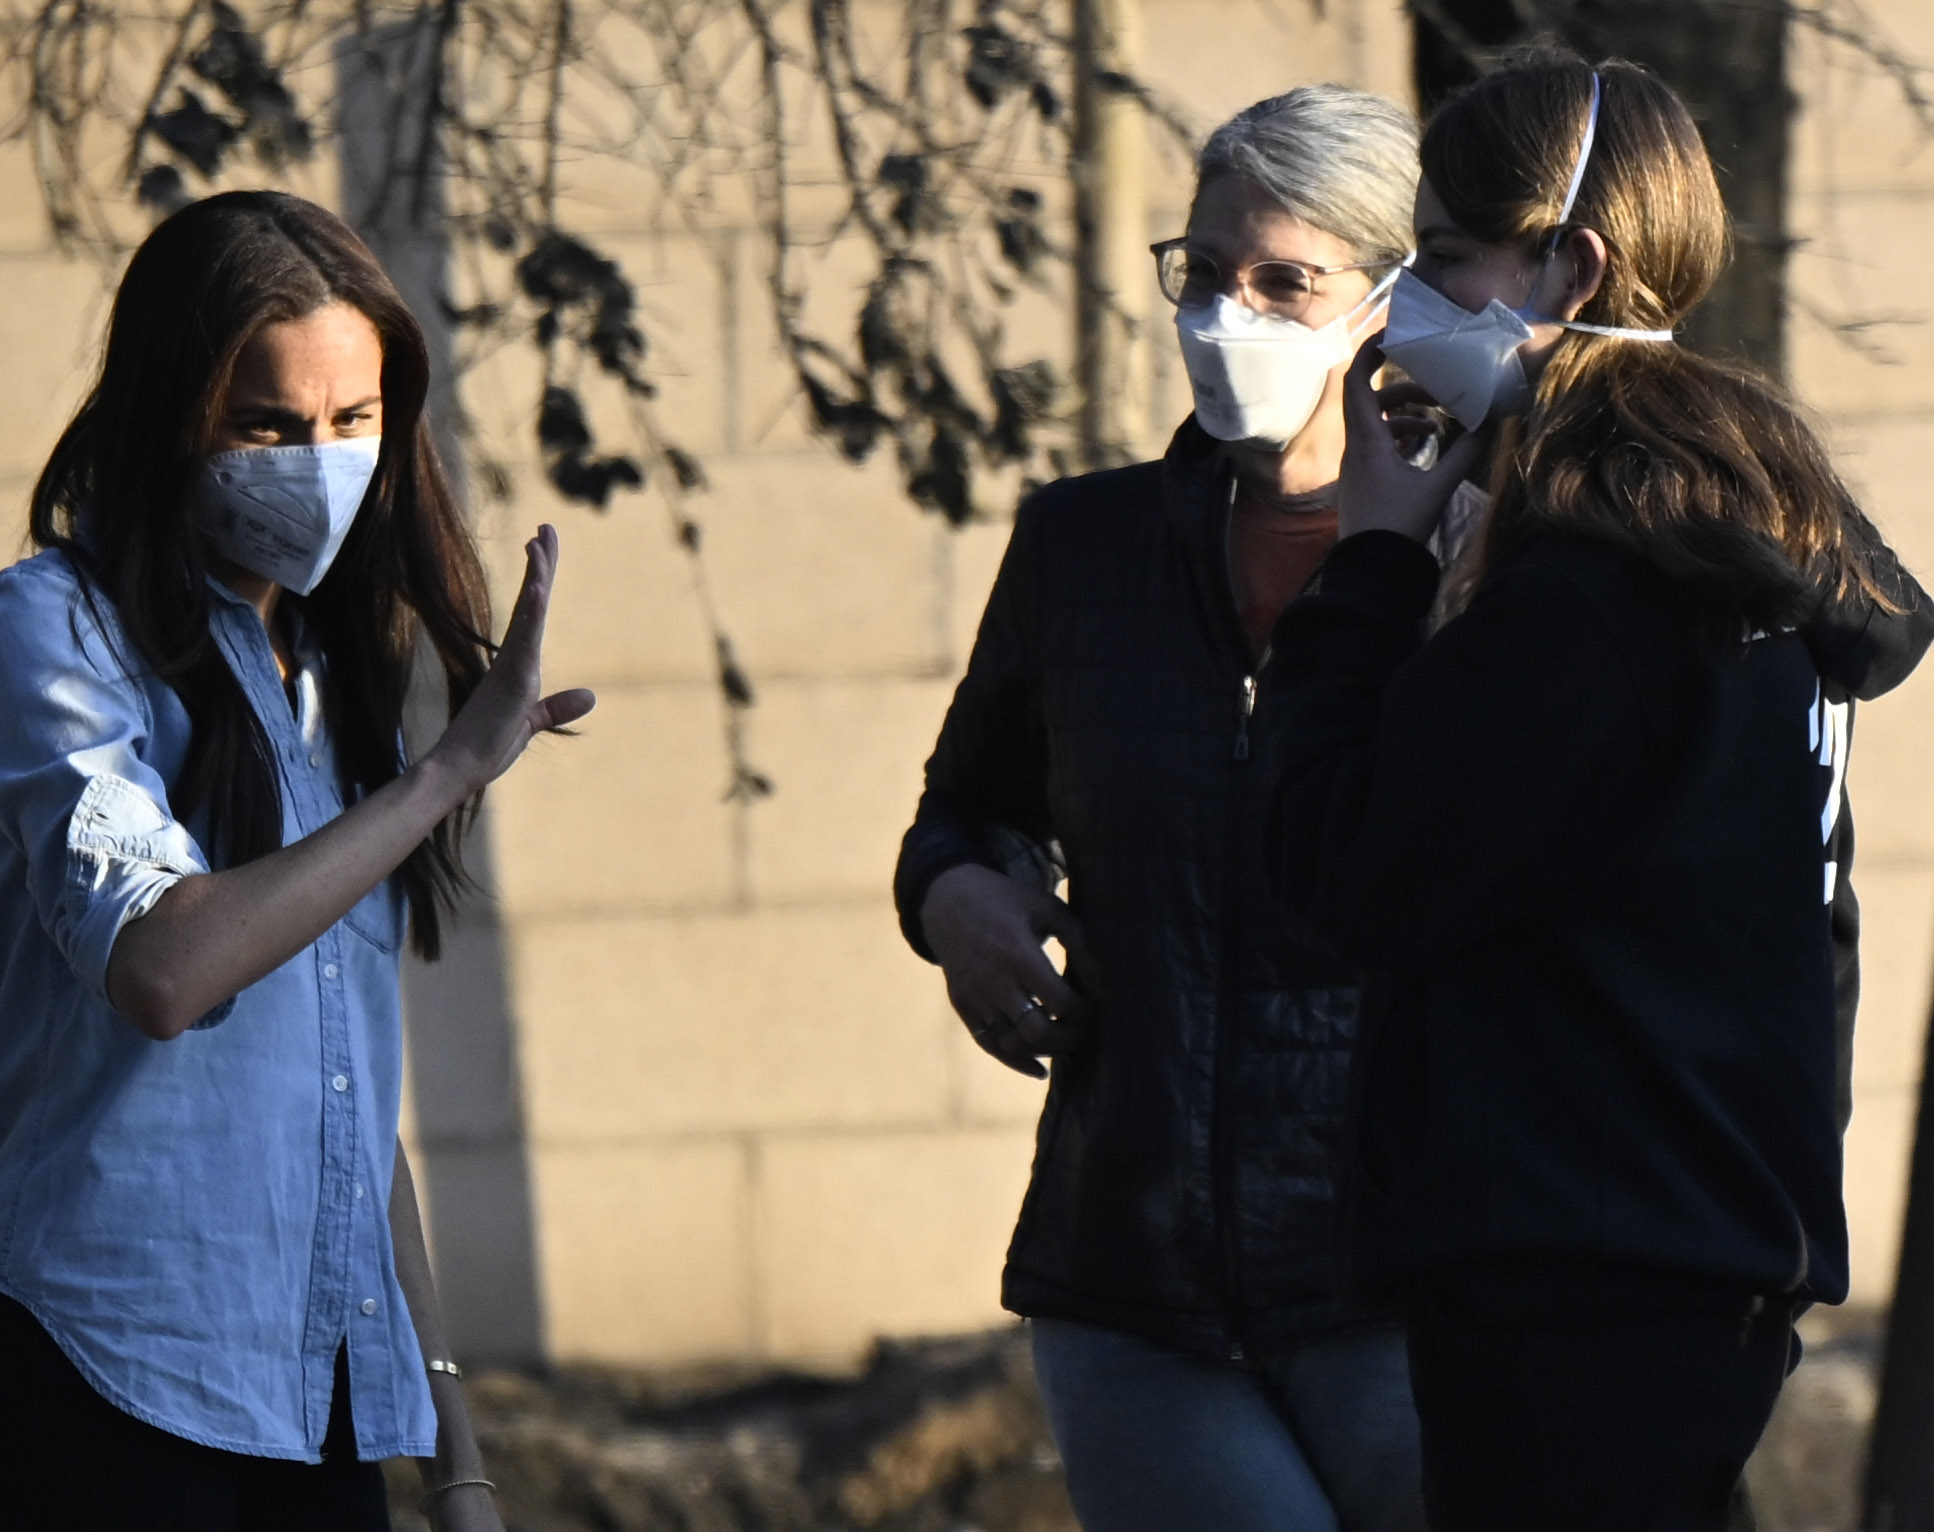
{"points": [[1059, 922], [1009, 1023], [1394, 395], [561, 709], [1362, 410], [527, 615], [1457, 460], [1043, 1033], [995, 1036]]}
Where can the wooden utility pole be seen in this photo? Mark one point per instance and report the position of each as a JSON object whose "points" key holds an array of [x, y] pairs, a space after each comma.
{"points": [[1112, 268]]}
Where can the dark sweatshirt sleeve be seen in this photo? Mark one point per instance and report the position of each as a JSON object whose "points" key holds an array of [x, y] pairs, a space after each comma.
{"points": [[1864, 647], [987, 777], [1434, 794]]}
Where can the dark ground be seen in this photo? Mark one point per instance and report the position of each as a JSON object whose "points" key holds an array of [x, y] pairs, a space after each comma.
{"points": [[947, 1436]]}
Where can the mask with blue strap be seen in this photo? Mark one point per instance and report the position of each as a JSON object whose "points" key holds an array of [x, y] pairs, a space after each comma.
{"points": [[1469, 363]]}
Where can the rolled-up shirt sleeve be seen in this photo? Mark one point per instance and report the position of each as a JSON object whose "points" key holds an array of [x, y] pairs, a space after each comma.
{"points": [[79, 802]]}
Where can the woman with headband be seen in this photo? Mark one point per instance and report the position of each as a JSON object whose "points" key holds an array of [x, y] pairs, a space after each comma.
{"points": [[1173, 1251], [1589, 834]]}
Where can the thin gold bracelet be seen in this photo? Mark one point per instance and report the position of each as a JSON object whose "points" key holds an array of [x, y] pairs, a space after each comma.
{"points": [[423, 1505]]}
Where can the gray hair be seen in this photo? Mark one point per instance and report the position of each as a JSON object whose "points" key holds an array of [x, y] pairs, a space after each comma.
{"points": [[1340, 159]]}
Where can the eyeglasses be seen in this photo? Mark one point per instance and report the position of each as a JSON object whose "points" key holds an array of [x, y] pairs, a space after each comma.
{"points": [[1283, 289]]}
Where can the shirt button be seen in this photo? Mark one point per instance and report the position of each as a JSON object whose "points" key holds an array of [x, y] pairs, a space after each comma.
{"points": [[359, 1191], [369, 1305], [341, 1082], [315, 760], [330, 970]]}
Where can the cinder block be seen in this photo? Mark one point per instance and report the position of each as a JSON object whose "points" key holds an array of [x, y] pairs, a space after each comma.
{"points": [[1884, 462], [883, 1234], [51, 329], [1896, 970], [822, 569], [1855, 129], [645, 1252], [1216, 62], [1880, 1144], [802, 1018], [1892, 744], [831, 275], [23, 209], [502, 389], [1857, 268], [987, 1092], [679, 312], [847, 759], [1383, 41], [626, 608], [15, 491], [975, 554], [629, 815]]}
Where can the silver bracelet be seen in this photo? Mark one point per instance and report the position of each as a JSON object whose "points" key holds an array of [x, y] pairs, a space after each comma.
{"points": [[431, 1494], [437, 1364]]}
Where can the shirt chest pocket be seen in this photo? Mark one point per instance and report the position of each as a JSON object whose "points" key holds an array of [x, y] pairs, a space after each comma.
{"points": [[380, 916]]}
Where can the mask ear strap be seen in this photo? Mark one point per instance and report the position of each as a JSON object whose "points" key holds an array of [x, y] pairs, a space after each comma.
{"points": [[1622, 331], [1376, 295]]}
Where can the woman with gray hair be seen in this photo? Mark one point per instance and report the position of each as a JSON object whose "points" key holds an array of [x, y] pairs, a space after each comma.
{"points": [[1173, 1248]]}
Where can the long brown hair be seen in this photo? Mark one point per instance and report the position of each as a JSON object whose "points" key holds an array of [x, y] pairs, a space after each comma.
{"points": [[1706, 470], [114, 495]]}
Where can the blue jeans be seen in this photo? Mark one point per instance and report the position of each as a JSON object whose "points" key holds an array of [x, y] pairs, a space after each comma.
{"points": [[1323, 1439]]}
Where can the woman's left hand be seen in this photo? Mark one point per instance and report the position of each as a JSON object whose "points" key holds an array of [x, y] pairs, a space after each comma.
{"points": [[1377, 489], [508, 708]]}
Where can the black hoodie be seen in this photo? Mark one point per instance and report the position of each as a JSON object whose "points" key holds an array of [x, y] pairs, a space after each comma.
{"points": [[1589, 849]]}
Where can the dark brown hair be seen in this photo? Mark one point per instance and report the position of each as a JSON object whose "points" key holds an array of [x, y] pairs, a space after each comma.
{"points": [[114, 499], [1706, 470]]}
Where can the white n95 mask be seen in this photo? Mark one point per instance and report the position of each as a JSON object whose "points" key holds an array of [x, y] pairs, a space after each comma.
{"points": [[1467, 362], [283, 512], [1257, 378]]}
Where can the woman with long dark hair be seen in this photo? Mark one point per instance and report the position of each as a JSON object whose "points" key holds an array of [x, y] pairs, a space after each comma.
{"points": [[215, 1310], [1590, 834]]}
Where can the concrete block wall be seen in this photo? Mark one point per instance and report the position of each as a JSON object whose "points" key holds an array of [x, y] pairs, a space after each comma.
{"points": [[1861, 354]]}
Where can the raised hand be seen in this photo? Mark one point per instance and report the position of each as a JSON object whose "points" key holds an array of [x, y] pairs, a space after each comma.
{"points": [[508, 709]]}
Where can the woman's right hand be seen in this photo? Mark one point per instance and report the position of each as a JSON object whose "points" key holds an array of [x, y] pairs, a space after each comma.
{"points": [[986, 930], [508, 710], [1377, 488]]}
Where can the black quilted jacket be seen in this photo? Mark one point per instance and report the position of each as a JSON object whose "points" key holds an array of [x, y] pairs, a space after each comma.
{"points": [[1182, 1182]]}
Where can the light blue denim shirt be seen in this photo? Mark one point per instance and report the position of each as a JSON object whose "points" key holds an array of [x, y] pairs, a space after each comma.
{"points": [[199, 1224]]}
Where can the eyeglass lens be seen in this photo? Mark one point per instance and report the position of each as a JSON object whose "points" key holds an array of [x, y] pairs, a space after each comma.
{"points": [[1190, 278]]}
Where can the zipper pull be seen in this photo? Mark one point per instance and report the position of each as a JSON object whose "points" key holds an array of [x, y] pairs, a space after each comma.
{"points": [[1242, 717]]}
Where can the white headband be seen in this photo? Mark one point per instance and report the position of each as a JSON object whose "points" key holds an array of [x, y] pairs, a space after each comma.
{"points": [[1584, 158], [1564, 216]]}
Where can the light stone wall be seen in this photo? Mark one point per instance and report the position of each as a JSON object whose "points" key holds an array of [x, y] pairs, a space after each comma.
{"points": [[754, 1130], [1861, 353]]}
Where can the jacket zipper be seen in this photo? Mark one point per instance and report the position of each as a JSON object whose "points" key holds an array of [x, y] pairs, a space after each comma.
{"points": [[1222, 1149]]}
